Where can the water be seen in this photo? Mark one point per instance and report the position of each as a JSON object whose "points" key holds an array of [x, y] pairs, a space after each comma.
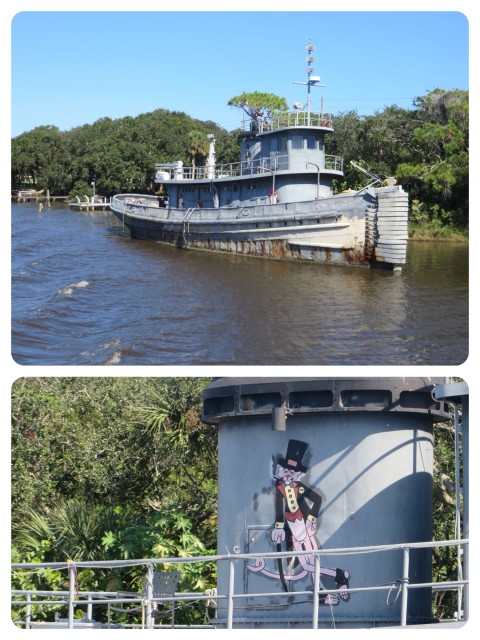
{"points": [[84, 293]]}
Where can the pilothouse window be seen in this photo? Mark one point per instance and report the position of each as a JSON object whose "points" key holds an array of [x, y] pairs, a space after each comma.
{"points": [[297, 142]]}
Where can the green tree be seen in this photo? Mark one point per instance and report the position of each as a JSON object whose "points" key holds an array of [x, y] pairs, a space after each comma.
{"points": [[257, 104], [436, 173], [109, 468], [88, 438], [227, 146], [197, 147], [183, 450], [43, 154]]}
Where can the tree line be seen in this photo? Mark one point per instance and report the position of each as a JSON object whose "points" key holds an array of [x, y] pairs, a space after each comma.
{"points": [[425, 148], [124, 468]]}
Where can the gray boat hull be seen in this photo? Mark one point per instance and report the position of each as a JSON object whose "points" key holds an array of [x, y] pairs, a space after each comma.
{"points": [[359, 228]]}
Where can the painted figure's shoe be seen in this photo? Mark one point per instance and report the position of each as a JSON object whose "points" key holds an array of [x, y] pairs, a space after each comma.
{"points": [[328, 599], [342, 580]]}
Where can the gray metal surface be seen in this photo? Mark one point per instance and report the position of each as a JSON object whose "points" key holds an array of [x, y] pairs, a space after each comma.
{"points": [[237, 397]]}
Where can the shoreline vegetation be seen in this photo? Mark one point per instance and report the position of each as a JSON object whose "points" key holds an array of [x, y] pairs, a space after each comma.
{"points": [[426, 233]]}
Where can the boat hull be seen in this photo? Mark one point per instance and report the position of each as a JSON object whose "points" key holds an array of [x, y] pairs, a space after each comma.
{"points": [[342, 229]]}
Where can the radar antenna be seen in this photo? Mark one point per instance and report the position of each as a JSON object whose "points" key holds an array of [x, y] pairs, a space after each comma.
{"points": [[312, 81]]}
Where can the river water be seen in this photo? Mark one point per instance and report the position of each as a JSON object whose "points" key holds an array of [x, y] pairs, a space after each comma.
{"points": [[85, 293]]}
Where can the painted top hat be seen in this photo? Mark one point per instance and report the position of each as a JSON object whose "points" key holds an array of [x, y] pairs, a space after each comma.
{"points": [[295, 452]]}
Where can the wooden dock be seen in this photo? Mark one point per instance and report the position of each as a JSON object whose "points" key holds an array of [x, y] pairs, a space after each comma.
{"points": [[37, 197], [92, 204]]}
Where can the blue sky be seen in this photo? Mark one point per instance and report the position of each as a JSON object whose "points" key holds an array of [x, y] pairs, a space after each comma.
{"points": [[72, 68]]}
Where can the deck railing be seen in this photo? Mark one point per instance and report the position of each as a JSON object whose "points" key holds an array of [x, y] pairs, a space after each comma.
{"points": [[281, 162], [291, 119], [73, 597]]}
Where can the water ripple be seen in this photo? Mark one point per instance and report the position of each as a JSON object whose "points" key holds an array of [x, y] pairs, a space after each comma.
{"points": [[84, 293]]}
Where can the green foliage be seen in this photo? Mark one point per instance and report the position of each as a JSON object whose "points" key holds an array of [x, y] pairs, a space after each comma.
{"points": [[80, 190], [100, 439], [119, 155], [437, 171], [433, 222], [257, 102], [197, 146], [42, 154], [158, 534], [41, 579], [79, 531], [445, 524], [98, 473], [425, 149]]}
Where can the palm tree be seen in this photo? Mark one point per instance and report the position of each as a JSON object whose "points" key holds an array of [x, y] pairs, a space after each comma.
{"points": [[197, 147], [73, 529]]}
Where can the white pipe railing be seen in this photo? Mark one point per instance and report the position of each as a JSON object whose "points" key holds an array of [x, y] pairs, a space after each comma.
{"points": [[89, 598], [284, 162], [290, 119]]}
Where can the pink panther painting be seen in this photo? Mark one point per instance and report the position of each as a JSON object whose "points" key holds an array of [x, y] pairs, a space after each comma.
{"points": [[297, 507]]}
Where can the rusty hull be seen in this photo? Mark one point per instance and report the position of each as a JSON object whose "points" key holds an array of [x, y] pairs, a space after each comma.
{"points": [[280, 249]]}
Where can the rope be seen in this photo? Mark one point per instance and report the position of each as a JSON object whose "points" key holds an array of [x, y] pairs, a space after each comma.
{"points": [[333, 615], [397, 584], [209, 603]]}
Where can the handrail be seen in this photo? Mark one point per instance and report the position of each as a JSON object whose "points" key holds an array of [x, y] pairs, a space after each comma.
{"points": [[242, 556], [290, 119], [282, 162], [101, 598]]}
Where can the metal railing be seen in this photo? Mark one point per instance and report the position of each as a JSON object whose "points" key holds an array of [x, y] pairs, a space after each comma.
{"points": [[290, 119], [281, 162], [73, 597]]}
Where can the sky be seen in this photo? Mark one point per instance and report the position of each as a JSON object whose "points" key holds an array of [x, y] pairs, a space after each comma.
{"points": [[70, 68]]}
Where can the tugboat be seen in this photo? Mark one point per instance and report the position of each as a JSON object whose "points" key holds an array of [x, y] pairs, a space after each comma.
{"points": [[277, 202]]}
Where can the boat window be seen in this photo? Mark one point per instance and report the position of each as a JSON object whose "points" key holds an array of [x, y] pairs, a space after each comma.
{"points": [[297, 142], [283, 143], [310, 399], [260, 401], [367, 398], [418, 400], [311, 142], [222, 404]]}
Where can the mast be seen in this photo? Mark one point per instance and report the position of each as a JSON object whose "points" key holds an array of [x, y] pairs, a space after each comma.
{"points": [[312, 81]]}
